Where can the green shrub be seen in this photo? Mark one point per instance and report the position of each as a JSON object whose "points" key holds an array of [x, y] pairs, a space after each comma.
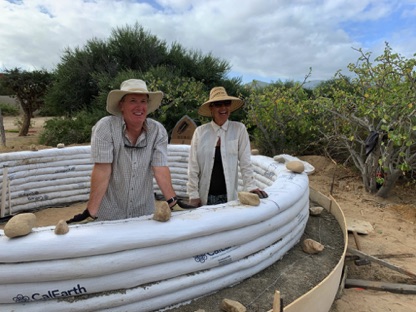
{"points": [[282, 120], [76, 130], [9, 110]]}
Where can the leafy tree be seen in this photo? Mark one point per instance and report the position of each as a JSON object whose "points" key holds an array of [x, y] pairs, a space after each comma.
{"points": [[281, 118], [128, 48], [380, 100], [133, 48], [29, 88], [3, 89], [74, 86], [205, 68]]}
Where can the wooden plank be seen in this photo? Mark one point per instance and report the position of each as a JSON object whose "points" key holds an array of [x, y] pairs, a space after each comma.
{"points": [[384, 256], [384, 286], [359, 226], [4, 192], [381, 262], [397, 256]]}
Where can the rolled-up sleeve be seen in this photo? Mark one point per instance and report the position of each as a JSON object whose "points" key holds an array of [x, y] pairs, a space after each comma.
{"points": [[160, 148], [102, 145]]}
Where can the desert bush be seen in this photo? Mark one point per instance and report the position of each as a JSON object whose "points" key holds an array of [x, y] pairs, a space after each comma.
{"points": [[75, 130], [282, 119], [9, 110], [378, 102]]}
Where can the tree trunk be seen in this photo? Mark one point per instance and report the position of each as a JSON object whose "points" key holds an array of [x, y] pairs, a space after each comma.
{"points": [[24, 130], [370, 172], [2, 132], [389, 182]]}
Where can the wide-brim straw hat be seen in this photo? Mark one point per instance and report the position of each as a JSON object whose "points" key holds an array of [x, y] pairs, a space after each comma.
{"points": [[132, 86], [219, 94]]}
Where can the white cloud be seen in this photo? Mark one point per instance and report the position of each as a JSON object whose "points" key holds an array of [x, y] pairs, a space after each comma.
{"points": [[265, 39]]}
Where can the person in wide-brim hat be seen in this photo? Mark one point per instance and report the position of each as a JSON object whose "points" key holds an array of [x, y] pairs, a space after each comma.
{"points": [[133, 86], [220, 150], [218, 94], [129, 151]]}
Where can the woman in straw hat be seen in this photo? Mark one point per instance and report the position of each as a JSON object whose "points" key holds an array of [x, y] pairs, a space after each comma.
{"points": [[218, 148], [128, 149]]}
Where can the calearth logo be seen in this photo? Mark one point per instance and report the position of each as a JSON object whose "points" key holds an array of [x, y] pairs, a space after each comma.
{"points": [[51, 294]]}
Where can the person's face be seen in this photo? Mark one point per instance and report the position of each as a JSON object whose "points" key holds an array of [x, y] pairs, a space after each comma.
{"points": [[134, 107], [220, 111]]}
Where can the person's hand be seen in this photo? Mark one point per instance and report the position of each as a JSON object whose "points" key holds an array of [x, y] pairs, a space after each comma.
{"points": [[186, 205], [83, 217], [182, 205], [260, 193], [196, 202]]}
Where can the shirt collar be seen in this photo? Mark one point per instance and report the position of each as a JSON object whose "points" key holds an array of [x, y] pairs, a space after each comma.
{"points": [[217, 127], [123, 124]]}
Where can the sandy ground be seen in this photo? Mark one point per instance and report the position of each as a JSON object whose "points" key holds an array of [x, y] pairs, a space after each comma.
{"points": [[393, 220], [394, 223]]}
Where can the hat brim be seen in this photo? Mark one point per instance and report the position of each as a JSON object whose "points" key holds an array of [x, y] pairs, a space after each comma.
{"points": [[114, 97], [205, 110]]}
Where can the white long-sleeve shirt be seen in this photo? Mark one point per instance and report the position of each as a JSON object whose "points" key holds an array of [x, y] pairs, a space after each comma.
{"points": [[235, 152]]}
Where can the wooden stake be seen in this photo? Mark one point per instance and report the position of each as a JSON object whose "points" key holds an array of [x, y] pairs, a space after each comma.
{"points": [[381, 262], [392, 287], [3, 193], [356, 239], [10, 197], [277, 302]]}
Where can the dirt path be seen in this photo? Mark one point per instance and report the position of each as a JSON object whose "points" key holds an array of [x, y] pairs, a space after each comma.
{"points": [[14, 142]]}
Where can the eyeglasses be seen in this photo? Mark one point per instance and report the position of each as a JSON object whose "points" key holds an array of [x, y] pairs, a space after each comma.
{"points": [[141, 144], [221, 104]]}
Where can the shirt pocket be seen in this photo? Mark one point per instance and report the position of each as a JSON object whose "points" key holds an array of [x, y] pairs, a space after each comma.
{"points": [[232, 147]]}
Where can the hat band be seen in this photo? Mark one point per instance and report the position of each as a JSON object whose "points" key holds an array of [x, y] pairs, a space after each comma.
{"points": [[136, 89], [218, 94]]}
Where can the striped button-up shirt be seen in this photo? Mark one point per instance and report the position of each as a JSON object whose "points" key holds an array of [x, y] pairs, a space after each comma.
{"points": [[130, 190]]}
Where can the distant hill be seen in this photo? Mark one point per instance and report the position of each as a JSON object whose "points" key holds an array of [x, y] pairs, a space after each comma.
{"points": [[312, 84], [257, 84]]}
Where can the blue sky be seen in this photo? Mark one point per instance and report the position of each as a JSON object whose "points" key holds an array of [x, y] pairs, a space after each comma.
{"points": [[267, 40]]}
